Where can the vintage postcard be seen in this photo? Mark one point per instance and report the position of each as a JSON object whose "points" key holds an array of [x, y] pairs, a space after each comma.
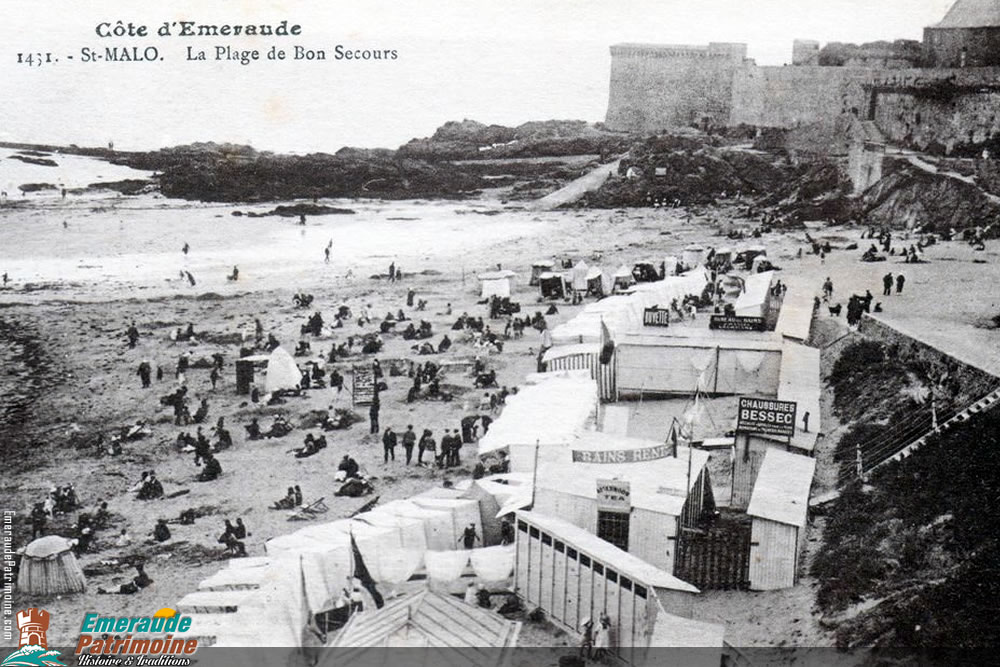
{"points": [[499, 333]]}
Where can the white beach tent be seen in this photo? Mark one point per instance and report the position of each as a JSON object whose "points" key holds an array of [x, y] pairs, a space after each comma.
{"points": [[411, 530], [282, 372], [382, 549], [693, 255], [579, 276], [753, 301], [497, 283], [325, 560], [622, 278], [438, 526], [463, 511], [547, 413]]}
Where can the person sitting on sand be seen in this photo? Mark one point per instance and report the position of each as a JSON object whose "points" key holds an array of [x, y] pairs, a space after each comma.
{"points": [[239, 530], [212, 470], [253, 429], [161, 533], [234, 547], [286, 503], [202, 412], [139, 581], [123, 540], [151, 488], [349, 466], [445, 344]]}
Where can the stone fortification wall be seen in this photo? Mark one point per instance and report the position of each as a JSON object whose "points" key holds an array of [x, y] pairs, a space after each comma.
{"points": [[658, 87], [940, 109], [797, 95]]}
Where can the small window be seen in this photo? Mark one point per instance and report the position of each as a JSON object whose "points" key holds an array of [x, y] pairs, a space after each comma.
{"points": [[560, 546], [522, 526], [547, 539], [571, 553], [584, 560], [612, 576], [640, 591], [533, 532], [626, 583], [598, 568]]}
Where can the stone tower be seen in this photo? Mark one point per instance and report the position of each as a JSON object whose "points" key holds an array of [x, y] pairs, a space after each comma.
{"points": [[33, 624]]}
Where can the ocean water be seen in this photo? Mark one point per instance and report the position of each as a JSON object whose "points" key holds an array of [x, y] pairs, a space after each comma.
{"points": [[104, 245]]}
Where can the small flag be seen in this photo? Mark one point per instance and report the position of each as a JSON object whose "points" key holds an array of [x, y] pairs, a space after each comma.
{"points": [[607, 345], [673, 436], [361, 572]]}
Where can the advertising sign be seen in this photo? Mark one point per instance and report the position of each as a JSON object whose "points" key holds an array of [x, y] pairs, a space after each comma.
{"points": [[766, 415], [363, 387], [622, 455], [736, 323], [614, 495], [656, 317]]}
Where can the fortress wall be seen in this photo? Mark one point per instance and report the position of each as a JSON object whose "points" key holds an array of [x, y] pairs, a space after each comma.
{"points": [[656, 87], [797, 95], [909, 113], [660, 87]]}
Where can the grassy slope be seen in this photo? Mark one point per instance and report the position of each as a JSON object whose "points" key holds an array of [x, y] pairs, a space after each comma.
{"points": [[919, 545]]}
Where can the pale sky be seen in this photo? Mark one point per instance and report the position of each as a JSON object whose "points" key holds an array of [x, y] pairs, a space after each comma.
{"points": [[496, 61]]}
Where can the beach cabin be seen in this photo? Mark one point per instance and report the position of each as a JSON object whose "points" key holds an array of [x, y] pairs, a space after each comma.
{"points": [[719, 362], [755, 299], [552, 285], [669, 266], [658, 493], [693, 255], [497, 283], [538, 268], [598, 285], [797, 309], [622, 279], [779, 507], [573, 575]]}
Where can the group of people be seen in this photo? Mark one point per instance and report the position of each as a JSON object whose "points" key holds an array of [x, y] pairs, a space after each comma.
{"points": [[233, 538]]}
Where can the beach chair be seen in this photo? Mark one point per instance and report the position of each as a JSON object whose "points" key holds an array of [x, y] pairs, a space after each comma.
{"points": [[310, 511]]}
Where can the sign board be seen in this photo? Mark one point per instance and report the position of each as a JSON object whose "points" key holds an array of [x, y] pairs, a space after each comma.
{"points": [[614, 495], [766, 415], [656, 317], [736, 323], [363, 384], [623, 455]]}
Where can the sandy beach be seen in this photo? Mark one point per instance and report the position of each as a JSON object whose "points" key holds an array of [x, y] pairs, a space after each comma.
{"points": [[76, 287]]}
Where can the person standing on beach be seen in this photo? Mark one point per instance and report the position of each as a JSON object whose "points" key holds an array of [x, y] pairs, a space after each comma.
{"points": [[887, 284], [144, 372], [900, 280], [186, 248], [389, 444], [392, 272], [326, 253], [409, 439], [373, 416]]}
